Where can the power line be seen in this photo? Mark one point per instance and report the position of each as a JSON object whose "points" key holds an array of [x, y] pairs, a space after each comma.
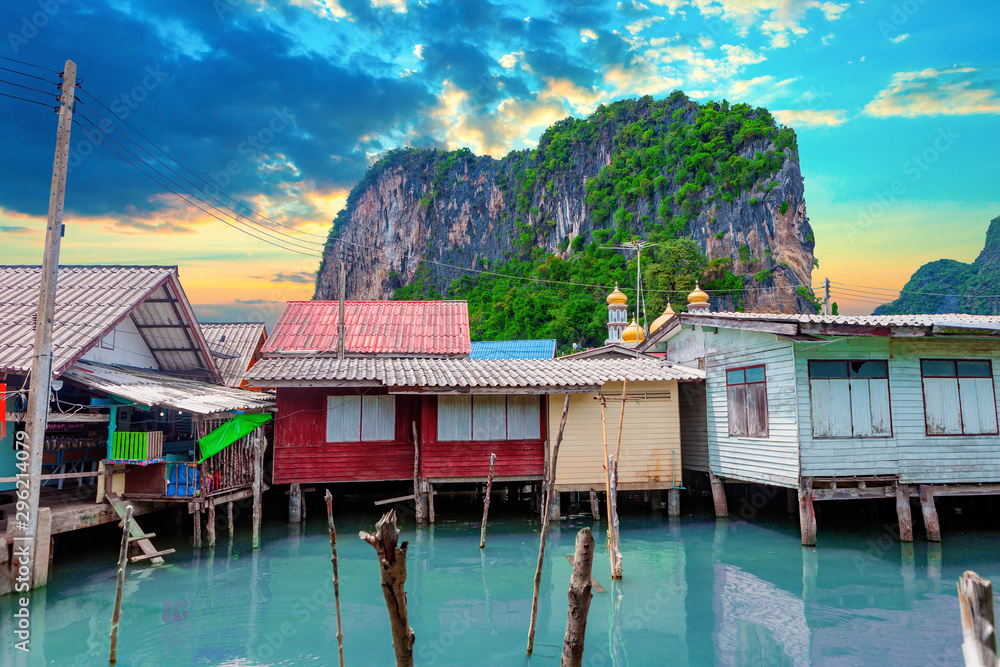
{"points": [[30, 76], [21, 62], [25, 99], [37, 90]]}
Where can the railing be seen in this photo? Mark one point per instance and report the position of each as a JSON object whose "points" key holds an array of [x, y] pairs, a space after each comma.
{"points": [[137, 446], [232, 468]]}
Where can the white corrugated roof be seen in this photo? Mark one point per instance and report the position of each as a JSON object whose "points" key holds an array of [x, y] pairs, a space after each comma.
{"points": [[482, 373], [233, 345], [158, 389], [859, 320], [90, 302]]}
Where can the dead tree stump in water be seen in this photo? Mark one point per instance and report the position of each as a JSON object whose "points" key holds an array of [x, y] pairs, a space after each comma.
{"points": [[486, 502], [122, 561], [975, 601], [336, 576], [580, 595], [392, 562]]}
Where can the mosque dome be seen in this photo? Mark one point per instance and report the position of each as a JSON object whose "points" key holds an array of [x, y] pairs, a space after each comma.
{"points": [[633, 334], [617, 298], [698, 295], [668, 312]]}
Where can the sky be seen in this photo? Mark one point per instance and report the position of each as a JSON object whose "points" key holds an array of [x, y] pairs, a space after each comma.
{"points": [[223, 136]]}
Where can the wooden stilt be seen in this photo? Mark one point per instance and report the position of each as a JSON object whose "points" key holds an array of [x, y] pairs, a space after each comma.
{"points": [[430, 502], [258, 480], [486, 502], [550, 492], [43, 538], [392, 560], [719, 496], [122, 561], [418, 501], [903, 513], [210, 522], [595, 507], [197, 526], [975, 602], [607, 486], [614, 552], [807, 513], [580, 595], [229, 517], [336, 577], [927, 508], [295, 503], [674, 502]]}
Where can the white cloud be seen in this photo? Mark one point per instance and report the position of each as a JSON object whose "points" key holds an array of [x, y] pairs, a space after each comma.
{"points": [[705, 41], [639, 5], [759, 89], [671, 5], [581, 100], [827, 39], [586, 34], [781, 20], [899, 38], [811, 117], [325, 9], [640, 77], [418, 51], [398, 6], [641, 24], [511, 59], [932, 92]]}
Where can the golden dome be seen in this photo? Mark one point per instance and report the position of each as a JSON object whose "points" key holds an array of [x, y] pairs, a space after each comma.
{"points": [[617, 298], [668, 312], [697, 296], [633, 334]]}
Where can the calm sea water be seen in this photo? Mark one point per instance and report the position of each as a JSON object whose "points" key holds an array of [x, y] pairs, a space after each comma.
{"points": [[696, 591]]}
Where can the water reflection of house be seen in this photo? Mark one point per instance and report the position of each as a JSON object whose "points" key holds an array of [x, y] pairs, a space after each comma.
{"points": [[840, 407], [135, 385], [406, 373]]}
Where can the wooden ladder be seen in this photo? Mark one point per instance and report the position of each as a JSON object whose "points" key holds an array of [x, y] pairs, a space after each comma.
{"points": [[136, 535]]}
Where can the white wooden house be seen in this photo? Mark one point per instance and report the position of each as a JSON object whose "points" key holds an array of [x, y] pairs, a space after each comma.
{"points": [[841, 407]]}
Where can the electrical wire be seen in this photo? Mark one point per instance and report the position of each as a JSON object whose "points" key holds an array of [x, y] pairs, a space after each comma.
{"points": [[21, 62], [37, 90], [30, 76], [25, 99]]}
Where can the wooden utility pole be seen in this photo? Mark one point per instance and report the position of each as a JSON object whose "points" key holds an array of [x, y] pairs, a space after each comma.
{"points": [[549, 493], [341, 296], [258, 474], [975, 601], [826, 296], [122, 561], [486, 502], [41, 362], [336, 576], [580, 595], [392, 563]]}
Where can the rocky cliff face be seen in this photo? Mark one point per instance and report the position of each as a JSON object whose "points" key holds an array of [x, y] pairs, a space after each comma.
{"points": [[651, 165], [949, 286]]}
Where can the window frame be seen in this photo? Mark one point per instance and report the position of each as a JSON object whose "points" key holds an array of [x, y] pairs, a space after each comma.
{"points": [[361, 417], [848, 378], [506, 413], [767, 410], [958, 389]]}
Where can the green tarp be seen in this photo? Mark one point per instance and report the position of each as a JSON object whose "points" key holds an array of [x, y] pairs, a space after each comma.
{"points": [[228, 433]]}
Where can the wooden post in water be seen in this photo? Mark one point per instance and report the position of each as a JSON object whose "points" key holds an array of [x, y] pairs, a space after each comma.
{"points": [[927, 508], [975, 602], [718, 496], [903, 513], [807, 513], [229, 512], [392, 562], [417, 499], [122, 560], [336, 576], [580, 595], [595, 506], [550, 489], [486, 502], [295, 503], [614, 552], [604, 429], [258, 475]]}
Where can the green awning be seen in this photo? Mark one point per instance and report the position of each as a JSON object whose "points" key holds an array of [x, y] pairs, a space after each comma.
{"points": [[228, 433]]}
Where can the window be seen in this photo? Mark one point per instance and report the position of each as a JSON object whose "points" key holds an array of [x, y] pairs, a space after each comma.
{"points": [[850, 399], [360, 418], [958, 397], [487, 418], [746, 394]]}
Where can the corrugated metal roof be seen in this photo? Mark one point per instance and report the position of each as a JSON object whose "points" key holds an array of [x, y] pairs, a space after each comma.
{"points": [[858, 320], [90, 302], [534, 348], [433, 373], [158, 389], [373, 327], [233, 345]]}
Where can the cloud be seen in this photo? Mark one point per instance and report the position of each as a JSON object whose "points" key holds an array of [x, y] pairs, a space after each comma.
{"points": [[899, 38], [418, 51], [781, 20], [325, 9], [760, 89], [15, 229], [640, 77], [398, 6], [826, 39], [811, 117], [640, 25], [582, 100], [299, 278], [956, 91], [586, 34], [509, 60]]}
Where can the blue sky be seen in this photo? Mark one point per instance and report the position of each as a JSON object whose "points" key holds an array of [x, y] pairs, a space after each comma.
{"points": [[282, 105]]}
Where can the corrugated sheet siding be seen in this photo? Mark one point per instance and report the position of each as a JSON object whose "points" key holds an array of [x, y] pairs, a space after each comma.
{"points": [[915, 456], [301, 453], [774, 459], [650, 436], [694, 426]]}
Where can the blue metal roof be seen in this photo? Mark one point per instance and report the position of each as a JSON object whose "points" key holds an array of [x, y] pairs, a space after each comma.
{"points": [[538, 348]]}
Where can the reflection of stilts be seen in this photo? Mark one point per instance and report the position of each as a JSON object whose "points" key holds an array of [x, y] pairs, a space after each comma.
{"points": [[810, 570], [907, 568], [615, 648], [934, 566], [486, 589]]}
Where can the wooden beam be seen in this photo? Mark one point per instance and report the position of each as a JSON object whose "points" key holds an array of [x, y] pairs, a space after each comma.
{"points": [[807, 513], [927, 508], [853, 493], [78, 417], [719, 496], [767, 326]]}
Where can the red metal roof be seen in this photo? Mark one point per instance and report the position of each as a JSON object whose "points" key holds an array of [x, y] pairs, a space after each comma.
{"points": [[423, 328]]}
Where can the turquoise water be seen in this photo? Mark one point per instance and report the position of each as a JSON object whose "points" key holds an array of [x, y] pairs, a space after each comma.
{"points": [[695, 592]]}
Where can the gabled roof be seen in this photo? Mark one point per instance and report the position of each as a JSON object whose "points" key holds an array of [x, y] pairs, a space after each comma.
{"points": [[90, 302], [147, 387], [233, 345], [400, 328], [453, 374], [535, 348], [802, 326], [609, 350]]}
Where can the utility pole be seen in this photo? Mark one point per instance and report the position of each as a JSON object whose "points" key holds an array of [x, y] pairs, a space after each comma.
{"points": [[41, 362], [342, 291], [826, 296]]}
